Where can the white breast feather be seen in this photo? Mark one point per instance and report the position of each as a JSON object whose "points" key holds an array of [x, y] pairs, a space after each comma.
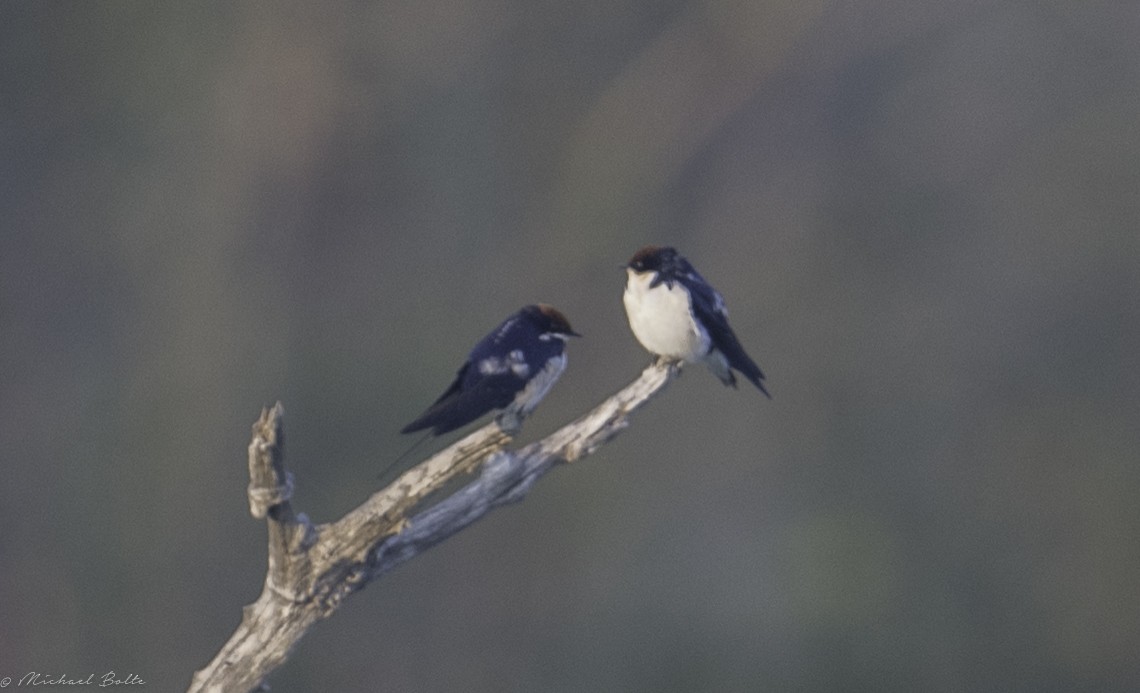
{"points": [[529, 397], [661, 318]]}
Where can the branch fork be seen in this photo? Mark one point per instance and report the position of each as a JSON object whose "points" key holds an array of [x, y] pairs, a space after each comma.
{"points": [[313, 568]]}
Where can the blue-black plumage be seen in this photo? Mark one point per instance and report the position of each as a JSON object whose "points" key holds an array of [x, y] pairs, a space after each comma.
{"points": [[511, 369]]}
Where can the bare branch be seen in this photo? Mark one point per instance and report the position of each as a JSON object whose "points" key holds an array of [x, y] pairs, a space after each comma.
{"points": [[313, 568]]}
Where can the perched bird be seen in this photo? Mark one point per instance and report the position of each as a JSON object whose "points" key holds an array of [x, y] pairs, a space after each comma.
{"points": [[678, 316], [511, 369]]}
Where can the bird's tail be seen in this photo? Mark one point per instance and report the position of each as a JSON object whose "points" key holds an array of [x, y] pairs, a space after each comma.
{"points": [[395, 464]]}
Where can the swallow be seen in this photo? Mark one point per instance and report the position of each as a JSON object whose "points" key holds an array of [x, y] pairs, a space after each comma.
{"points": [[678, 316], [511, 369]]}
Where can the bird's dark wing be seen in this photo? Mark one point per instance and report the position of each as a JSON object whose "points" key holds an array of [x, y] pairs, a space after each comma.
{"points": [[708, 306], [471, 395]]}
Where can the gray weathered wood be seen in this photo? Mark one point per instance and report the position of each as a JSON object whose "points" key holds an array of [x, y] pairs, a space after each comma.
{"points": [[312, 568]]}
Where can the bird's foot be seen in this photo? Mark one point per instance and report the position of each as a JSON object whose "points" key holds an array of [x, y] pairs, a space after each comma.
{"points": [[510, 422]]}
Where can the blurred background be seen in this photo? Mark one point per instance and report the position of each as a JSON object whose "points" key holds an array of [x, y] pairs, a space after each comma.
{"points": [[923, 217]]}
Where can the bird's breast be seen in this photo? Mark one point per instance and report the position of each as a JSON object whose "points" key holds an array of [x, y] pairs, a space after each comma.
{"points": [[537, 387], [661, 318]]}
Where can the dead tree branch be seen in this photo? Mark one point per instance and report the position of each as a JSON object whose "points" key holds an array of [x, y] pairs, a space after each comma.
{"points": [[312, 568]]}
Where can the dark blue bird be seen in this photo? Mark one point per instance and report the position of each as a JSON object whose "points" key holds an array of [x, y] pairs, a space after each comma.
{"points": [[510, 369]]}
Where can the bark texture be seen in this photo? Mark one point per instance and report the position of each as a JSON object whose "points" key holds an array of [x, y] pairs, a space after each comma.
{"points": [[313, 568]]}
